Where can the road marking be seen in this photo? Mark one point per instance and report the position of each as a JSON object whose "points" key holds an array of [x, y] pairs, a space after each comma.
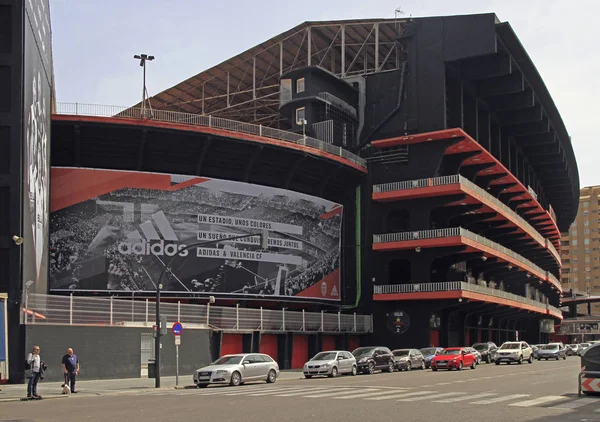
{"points": [[330, 393], [303, 391], [431, 397], [575, 403], [539, 400], [360, 395], [401, 395], [501, 399], [286, 391], [457, 399], [254, 390]]}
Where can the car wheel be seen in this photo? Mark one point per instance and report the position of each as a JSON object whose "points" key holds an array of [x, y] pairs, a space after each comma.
{"points": [[474, 365], [460, 366], [408, 366], [334, 372], [565, 357], [308, 377], [497, 362], [434, 369], [520, 361], [371, 368], [423, 365], [557, 358], [539, 359], [236, 379], [390, 367], [271, 377], [530, 360], [546, 358], [354, 370], [202, 385], [488, 359]]}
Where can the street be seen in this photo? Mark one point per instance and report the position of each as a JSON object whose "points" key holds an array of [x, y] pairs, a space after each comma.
{"points": [[544, 390]]}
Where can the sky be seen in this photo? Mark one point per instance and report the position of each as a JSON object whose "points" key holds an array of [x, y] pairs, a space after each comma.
{"points": [[94, 43]]}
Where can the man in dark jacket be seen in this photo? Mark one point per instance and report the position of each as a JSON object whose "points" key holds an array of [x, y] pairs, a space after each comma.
{"points": [[70, 365]]}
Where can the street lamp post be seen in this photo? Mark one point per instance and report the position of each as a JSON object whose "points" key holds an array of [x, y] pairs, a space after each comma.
{"points": [[143, 58], [159, 286]]}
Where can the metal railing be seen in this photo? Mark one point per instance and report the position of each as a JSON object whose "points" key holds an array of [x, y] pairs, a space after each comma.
{"points": [[117, 112], [78, 310], [338, 102], [459, 231], [457, 178], [447, 286]]}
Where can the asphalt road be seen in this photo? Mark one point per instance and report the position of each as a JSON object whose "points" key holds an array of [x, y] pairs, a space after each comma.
{"points": [[542, 391]]}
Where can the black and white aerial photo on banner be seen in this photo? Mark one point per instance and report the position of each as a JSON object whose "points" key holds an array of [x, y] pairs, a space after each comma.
{"points": [[116, 231]]}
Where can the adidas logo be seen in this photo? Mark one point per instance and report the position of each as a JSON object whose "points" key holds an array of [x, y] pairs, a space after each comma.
{"points": [[334, 291], [152, 243]]}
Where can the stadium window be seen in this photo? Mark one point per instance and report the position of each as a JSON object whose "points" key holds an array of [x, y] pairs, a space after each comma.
{"points": [[587, 250], [586, 213], [586, 241], [300, 85], [586, 231], [586, 223], [285, 91], [300, 115], [573, 242], [574, 233], [587, 260], [586, 204]]}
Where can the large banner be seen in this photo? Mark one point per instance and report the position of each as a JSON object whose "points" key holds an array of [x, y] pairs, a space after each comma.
{"points": [[37, 95], [117, 231]]}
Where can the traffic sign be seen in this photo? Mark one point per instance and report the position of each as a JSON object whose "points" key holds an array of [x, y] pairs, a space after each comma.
{"points": [[177, 328]]}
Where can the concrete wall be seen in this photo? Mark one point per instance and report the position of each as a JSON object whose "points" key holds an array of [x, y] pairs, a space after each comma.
{"points": [[115, 352]]}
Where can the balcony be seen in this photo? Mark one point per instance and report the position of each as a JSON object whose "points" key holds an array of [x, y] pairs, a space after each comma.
{"points": [[457, 236], [461, 290], [457, 184], [466, 144]]}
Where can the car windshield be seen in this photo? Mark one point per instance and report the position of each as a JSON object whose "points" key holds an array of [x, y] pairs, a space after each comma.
{"points": [[510, 346], [229, 360], [550, 347], [400, 353], [363, 351], [428, 352], [450, 352], [584, 345], [325, 356], [480, 346]]}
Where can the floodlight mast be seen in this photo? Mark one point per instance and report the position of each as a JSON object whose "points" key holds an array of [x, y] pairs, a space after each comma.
{"points": [[143, 58]]}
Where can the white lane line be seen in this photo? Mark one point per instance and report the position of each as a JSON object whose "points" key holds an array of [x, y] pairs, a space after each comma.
{"points": [[501, 399], [401, 395], [437, 396], [286, 391], [575, 403], [241, 391], [358, 395], [457, 399], [539, 400], [330, 393], [301, 392]]}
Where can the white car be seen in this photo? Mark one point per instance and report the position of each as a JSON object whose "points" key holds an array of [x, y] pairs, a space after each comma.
{"points": [[514, 351], [237, 369], [331, 364]]}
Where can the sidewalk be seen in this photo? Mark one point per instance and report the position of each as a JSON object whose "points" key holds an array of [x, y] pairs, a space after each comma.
{"points": [[53, 390]]}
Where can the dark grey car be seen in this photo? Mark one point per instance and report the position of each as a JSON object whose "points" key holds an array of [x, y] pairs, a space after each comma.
{"points": [[407, 359]]}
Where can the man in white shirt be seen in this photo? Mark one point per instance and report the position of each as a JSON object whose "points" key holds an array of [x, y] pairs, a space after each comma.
{"points": [[35, 362]]}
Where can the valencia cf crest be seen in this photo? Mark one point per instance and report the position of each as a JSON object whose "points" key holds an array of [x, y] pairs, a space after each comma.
{"points": [[398, 322]]}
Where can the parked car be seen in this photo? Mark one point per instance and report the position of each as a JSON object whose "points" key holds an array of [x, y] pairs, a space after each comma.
{"points": [[331, 364], [429, 353], [582, 348], [238, 369], [453, 358], [552, 351], [535, 348], [370, 359], [572, 349], [407, 359], [475, 353], [487, 350], [514, 351]]}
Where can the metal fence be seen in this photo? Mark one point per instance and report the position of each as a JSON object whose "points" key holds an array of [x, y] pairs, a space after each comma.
{"points": [[77, 310], [459, 231], [78, 109], [460, 285], [457, 178]]}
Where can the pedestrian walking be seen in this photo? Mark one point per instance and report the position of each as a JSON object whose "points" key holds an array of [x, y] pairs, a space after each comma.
{"points": [[70, 365], [33, 372]]}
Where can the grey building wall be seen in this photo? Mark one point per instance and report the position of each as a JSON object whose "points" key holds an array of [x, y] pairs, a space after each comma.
{"points": [[115, 352]]}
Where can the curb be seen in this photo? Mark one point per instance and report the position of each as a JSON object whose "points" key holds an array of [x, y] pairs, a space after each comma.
{"points": [[23, 399]]}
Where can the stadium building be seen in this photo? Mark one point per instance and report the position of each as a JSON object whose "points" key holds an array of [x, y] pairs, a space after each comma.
{"points": [[400, 182]]}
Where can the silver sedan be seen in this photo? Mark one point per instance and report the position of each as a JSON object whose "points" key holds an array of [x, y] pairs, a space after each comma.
{"points": [[331, 364], [238, 369]]}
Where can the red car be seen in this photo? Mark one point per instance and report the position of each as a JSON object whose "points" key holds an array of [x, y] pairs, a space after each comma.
{"points": [[454, 358]]}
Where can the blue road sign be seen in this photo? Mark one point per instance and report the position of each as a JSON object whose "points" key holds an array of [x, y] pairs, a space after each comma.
{"points": [[177, 328]]}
